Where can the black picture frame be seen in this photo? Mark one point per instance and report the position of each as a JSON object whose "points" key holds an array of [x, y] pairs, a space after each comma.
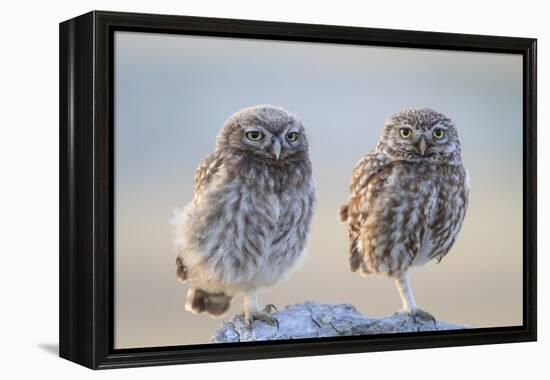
{"points": [[86, 188]]}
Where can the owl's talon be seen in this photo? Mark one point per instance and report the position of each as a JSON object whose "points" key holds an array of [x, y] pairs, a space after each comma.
{"points": [[261, 316], [417, 314], [273, 322], [269, 308]]}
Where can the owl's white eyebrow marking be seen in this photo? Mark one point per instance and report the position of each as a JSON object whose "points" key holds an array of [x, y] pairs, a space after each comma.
{"points": [[290, 129], [254, 128]]}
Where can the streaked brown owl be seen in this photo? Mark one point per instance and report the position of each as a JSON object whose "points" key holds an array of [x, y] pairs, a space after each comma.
{"points": [[252, 206], [408, 198]]}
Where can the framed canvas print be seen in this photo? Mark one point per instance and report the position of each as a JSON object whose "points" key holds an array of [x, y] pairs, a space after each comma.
{"points": [[236, 189]]}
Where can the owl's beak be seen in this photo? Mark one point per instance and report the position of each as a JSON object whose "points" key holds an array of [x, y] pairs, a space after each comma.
{"points": [[423, 146], [276, 148]]}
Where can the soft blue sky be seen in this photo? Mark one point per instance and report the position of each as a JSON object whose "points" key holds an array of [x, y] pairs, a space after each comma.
{"points": [[172, 95]]}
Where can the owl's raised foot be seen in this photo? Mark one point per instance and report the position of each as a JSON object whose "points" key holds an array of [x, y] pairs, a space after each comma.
{"points": [[263, 316]]}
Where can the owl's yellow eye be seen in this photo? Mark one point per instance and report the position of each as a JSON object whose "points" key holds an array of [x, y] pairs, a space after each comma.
{"points": [[292, 136], [439, 133], [254, 135], [405, 133]]}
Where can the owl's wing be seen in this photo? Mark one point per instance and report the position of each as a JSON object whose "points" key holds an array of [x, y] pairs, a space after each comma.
{"points": [[464, 195], [367, 177], [204, 174], [203, 177]]}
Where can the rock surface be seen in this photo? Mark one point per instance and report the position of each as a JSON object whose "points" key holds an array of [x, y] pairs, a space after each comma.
{"points": [[312, 320]]}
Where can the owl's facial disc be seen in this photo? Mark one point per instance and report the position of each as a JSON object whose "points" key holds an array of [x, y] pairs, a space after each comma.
{"points": [[273, 144], [424, 145], [423, 141], [420, 134]]}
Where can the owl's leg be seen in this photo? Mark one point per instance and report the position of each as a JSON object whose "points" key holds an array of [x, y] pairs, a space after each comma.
{"points": [[405, 291], [407, 298], [251, 310]]}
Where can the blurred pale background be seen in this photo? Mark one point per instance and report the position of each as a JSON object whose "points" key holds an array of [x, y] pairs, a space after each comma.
{"points": [[172, 95]]}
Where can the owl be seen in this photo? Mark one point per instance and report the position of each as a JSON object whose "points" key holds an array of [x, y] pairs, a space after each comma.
{"points": [[408, 198], [247, 224]]}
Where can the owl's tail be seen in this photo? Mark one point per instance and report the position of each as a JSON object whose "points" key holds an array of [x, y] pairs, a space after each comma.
{"points": [[201, 301], [343, 213]]}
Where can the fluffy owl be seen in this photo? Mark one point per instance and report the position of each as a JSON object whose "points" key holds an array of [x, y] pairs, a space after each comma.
{"points": [[248, 222], [408, 198]]}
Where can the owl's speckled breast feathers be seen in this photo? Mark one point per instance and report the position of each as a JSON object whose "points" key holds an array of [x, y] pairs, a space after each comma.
{"points": [[406, 214], [253, 222]]}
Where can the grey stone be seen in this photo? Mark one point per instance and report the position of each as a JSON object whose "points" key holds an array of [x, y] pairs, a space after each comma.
{"points": [[312, 320]]}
